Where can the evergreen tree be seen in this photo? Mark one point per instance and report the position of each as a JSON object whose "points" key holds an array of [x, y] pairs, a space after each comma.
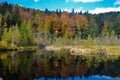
{"points": [[17, 35], [9, 19], [5, 36], [89, 42], [10, 37], [30, 32], [73, 11], [0, 27], [46, 11], [16, 18], [105, 29], [24, 34], [112, 33]]}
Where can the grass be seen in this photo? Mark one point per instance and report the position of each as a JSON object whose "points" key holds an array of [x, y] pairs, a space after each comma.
{"points": [[26, 48], [113, 50], [108, 50], [106, 44]]}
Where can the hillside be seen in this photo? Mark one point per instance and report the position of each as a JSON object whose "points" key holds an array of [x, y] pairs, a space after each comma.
{"points": [[21, 26]]}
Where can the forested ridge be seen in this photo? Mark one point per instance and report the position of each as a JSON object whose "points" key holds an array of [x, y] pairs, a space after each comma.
{"points": [[20, 26]]}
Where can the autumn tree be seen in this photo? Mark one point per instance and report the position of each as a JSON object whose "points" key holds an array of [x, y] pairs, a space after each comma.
{"points": [[105, 29], [81, 24], [47, 26], [65, 23], [24, 15], [55, 25]]}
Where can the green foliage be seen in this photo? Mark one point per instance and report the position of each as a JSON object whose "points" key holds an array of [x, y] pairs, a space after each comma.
{"points": [[5, 36], [16, 18], [17, 35], [112, 34], [63, 41], [18, 25], [24, 37], [111, 40], [11, 36], [27, 35], [0, 26], [89, 42], [30, 33]]}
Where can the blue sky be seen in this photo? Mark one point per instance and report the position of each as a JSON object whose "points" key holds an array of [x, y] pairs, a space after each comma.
{"points": [[93, 6]]}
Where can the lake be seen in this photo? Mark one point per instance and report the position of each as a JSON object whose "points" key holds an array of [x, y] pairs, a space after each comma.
{"points": [[57, 65]]}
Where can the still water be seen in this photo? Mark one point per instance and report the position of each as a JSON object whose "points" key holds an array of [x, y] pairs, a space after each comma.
{"points": [[44, 65]]}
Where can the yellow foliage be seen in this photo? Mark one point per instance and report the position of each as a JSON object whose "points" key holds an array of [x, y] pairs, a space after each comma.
{"points": [[10, 32], [3, 56], [3, 44]]}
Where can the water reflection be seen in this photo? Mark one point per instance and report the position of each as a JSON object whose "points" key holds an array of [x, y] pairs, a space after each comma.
{"points": [[57, 65], [92, 77]]}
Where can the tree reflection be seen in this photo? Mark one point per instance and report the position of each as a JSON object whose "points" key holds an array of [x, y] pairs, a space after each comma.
{"points": [[30, 65]]}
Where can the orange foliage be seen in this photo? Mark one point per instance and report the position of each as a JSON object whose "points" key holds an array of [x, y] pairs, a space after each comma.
{"points": [[81, 20], [105, 28], [3, 44], [25, 16]]}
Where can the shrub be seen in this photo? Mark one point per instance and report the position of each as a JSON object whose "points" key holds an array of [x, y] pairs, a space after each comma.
{"points": [[89, 42], [3, 44]]}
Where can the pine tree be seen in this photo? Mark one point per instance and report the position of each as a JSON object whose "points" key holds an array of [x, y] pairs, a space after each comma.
{"points": [[5, 37], [24, 34], [89, 42], [112, 34], [10, 36], [17, 35], [0, 26], [30, 33]]}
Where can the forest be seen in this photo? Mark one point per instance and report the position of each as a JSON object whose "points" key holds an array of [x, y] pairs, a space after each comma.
{"points": [[59, 45], [20, 26]]}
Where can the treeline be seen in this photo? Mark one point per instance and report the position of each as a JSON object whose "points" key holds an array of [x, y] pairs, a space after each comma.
{"points": [[19, 26]]}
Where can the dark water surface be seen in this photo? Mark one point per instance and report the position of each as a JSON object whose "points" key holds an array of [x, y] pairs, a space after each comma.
{"points": [[55, 65]]}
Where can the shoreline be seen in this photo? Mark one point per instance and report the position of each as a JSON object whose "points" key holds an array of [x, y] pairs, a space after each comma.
{"points": [[25, 48], [80, 50]]}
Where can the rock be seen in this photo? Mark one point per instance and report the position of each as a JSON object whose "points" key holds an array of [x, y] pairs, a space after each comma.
{"points": [[77, 51], [1, 78]]}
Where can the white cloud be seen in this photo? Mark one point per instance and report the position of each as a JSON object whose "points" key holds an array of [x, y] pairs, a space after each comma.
{"points": [[79, 9], [21, 5], [76, 10], [66, 9], [84, 1], [104, 10], [67, 0], [36, 0], [117, 2]]}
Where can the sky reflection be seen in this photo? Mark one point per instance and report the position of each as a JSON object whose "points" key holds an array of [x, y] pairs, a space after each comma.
{"points": [[93, 77]]}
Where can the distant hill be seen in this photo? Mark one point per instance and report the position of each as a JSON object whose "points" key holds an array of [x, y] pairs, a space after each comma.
{"points": [[60, 24]]}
